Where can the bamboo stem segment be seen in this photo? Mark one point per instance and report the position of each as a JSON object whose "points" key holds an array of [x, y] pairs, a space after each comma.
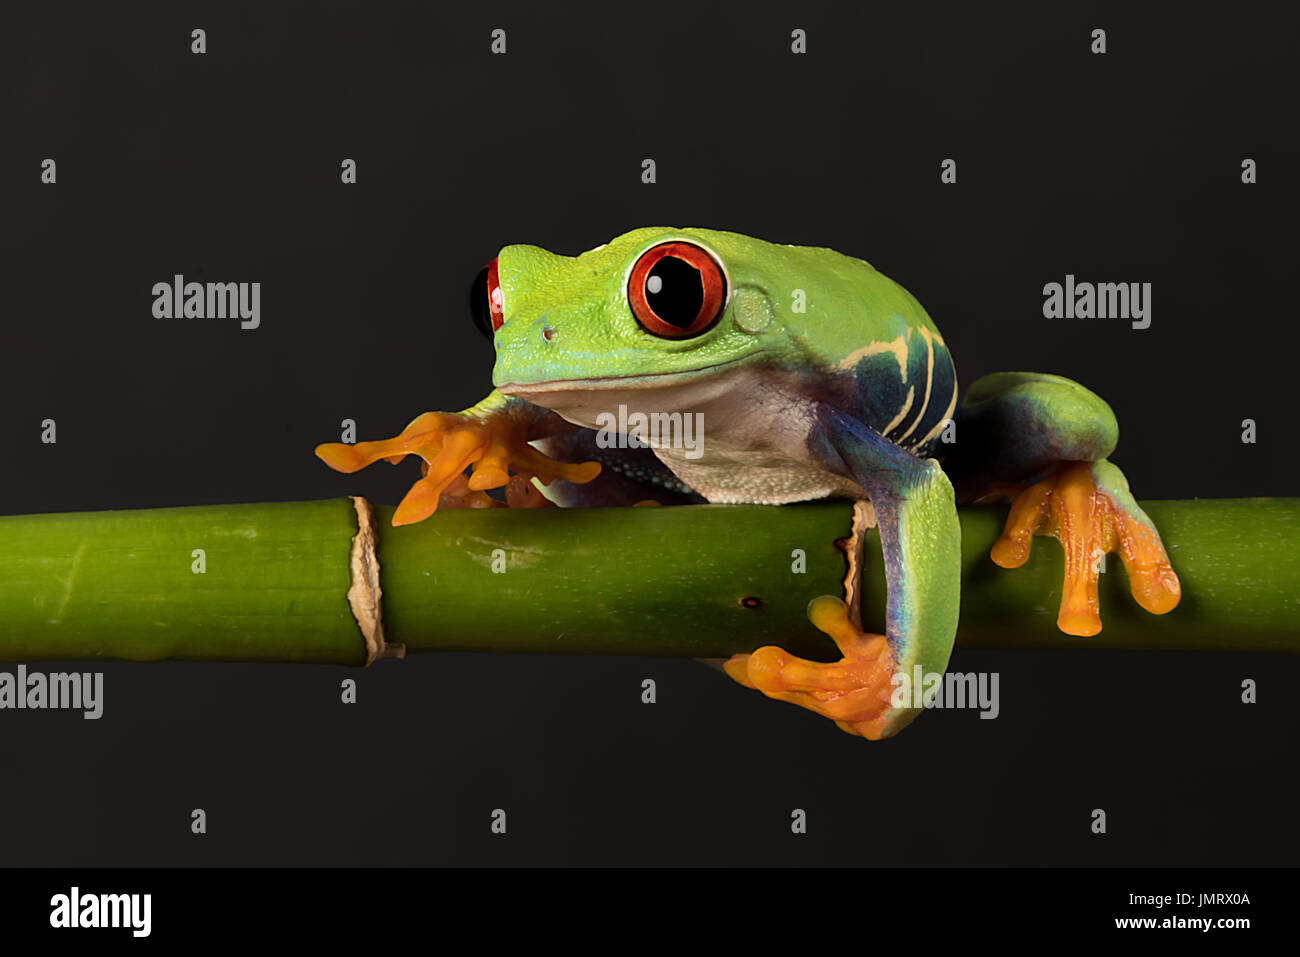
{"points": [[208, 583], [332, 581]]}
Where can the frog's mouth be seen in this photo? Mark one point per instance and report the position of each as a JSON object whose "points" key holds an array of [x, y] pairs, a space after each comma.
{"points": [[709, 389], [646, 380]]}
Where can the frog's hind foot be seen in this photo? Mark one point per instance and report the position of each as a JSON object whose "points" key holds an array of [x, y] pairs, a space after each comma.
{"points": [[494, 447], [1087, 506], [854, 692]]}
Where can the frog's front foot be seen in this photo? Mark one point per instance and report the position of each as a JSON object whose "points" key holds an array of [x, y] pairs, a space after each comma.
{"points": [[493, 446], [854, 692], [1087, 506]]}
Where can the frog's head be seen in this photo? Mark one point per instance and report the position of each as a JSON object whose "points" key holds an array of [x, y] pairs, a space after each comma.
{"points": [[654, 309]]}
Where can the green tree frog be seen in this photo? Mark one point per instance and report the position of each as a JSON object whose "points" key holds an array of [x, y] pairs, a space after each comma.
{"points": [[812, 375]]}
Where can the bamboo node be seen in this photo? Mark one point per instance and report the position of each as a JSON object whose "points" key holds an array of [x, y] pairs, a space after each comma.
{"points": [[364, 593]]}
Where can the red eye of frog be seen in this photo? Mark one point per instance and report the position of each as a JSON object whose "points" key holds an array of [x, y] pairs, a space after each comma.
{"points": [[486, 302], [677, 290]]}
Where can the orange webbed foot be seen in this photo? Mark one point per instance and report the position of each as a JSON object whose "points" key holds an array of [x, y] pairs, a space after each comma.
{"points": [[494, 447], [1088, 508], [854, 692]]}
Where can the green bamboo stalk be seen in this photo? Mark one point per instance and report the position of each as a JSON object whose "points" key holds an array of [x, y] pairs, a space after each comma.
{"points": [[1238, 561], [122, 584], [702, 581]]}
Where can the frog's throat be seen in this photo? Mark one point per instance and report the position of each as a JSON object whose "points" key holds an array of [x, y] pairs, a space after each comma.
{"points": [[649, 380]]}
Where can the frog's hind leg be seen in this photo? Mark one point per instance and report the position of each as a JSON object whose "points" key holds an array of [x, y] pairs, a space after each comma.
{"points": [[867, 692], [1042, 441]]}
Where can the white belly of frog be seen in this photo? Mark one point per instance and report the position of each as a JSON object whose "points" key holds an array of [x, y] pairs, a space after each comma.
{"points": [[736, 476], [739, 437]]}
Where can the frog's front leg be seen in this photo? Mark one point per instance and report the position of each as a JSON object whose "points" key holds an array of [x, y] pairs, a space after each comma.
{"points": [[491, 439], [1042, 441], [921, 543]]}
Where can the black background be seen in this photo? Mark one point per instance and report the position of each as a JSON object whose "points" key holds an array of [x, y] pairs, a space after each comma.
{"points": [[225, 167]]}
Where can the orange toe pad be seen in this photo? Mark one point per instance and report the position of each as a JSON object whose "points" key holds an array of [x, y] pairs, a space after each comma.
{"points": [[1089, 523], [494, 447], [854, 692]]}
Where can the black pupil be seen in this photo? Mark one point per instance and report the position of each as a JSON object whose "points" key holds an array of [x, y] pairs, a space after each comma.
{"points": [[479, 308], [680, 291]]}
